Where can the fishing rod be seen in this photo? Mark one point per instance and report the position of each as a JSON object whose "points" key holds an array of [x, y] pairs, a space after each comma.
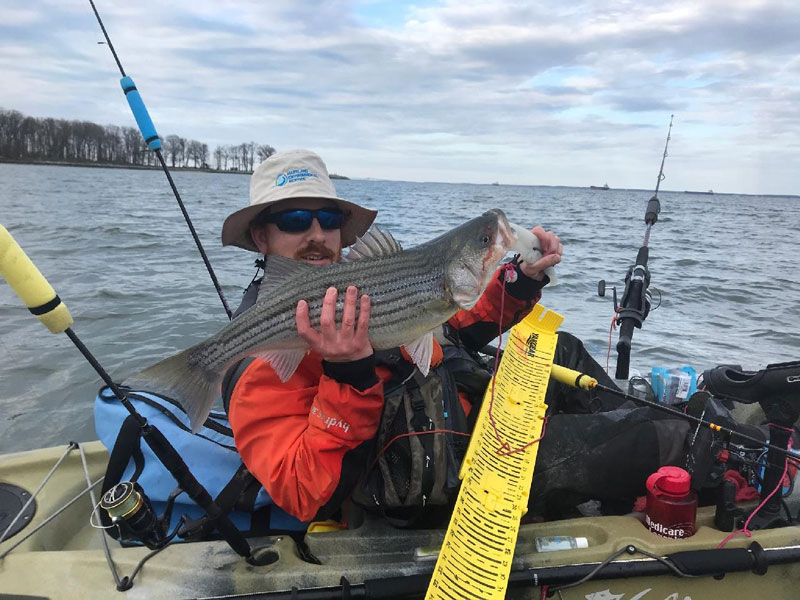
{"points": [[46, 305], [579, 380], [153, 142], [635, 305], [576, 379]]}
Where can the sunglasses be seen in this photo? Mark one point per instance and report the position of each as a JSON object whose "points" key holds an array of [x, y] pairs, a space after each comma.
{"points": [[299, 219]]}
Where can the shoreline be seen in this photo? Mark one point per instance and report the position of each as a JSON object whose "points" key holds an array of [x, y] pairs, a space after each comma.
{"points": [[343, 177], [52, 163]]}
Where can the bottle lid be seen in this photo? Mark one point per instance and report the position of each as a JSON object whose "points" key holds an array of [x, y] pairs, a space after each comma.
{"points": [[581, 542], [673, 481]]}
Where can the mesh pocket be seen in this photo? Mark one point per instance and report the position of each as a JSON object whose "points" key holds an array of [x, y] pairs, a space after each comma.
{"points": [[397, 458]]}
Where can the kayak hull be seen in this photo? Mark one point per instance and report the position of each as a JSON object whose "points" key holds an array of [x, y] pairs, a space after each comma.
{"points": [[65, 558]]}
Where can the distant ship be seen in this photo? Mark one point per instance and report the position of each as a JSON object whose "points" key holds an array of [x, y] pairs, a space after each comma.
{"points": [[599, 187], [495, 183], [708, 193]]}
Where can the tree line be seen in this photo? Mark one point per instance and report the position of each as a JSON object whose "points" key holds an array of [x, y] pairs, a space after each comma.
{"points": [[27, 138]]}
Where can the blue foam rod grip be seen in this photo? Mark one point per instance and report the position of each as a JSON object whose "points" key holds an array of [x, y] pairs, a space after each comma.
{"points": [[140, 113]]}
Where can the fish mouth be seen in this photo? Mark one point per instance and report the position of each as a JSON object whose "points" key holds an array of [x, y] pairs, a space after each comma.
{"points": [[504, 240], [505, 232]]}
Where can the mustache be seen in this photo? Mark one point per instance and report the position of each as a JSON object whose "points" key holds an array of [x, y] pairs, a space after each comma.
{"points": [[315, 248]]}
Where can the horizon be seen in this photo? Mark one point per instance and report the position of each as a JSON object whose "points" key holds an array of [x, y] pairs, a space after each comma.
{"points": [[573, 94], [340, 176]]}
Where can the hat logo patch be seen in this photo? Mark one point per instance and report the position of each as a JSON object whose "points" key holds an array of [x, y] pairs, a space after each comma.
{"points": [[293, 176]]}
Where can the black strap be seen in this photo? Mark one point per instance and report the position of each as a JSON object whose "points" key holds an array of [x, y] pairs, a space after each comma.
{"points": [[173, 462], [227, 499], [422, 423], [126, 447], [400, 368], [231, 378]]}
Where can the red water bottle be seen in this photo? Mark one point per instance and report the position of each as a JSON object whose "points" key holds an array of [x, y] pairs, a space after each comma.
{"points": [[671, 503]]}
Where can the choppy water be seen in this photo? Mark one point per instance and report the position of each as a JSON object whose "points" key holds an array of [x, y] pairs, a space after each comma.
{"points": [[115, 247]]}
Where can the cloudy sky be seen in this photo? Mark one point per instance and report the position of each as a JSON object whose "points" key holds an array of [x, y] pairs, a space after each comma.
{"points": [[549, 92]]}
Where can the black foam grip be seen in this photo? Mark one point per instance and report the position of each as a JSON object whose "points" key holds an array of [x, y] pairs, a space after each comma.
{"points": [[710, 562], [624, 349]]}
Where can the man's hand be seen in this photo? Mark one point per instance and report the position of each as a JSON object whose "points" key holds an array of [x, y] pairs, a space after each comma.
{"points": [[551, 254], [346, 343]]}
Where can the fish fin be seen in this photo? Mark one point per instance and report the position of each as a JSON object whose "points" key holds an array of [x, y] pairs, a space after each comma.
{"points": [[421, 352], [284, 362], [375, 242], [177, 377], [551, 274], [277, 270]]}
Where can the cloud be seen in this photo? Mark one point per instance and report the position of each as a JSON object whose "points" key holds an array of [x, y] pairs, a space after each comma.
{"points": [[429, 90]]}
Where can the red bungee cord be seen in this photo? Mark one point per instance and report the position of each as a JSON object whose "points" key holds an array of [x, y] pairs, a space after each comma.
{"points": [[610, 333]]}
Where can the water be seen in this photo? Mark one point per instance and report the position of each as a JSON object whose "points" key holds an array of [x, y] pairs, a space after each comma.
{"points": [[114, 246]]}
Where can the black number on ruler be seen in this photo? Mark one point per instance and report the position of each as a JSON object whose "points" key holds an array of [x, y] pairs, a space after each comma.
{"points": [[530, 344]]}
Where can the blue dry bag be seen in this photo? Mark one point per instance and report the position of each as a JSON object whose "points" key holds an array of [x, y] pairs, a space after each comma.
{"points": [[210, 455]]}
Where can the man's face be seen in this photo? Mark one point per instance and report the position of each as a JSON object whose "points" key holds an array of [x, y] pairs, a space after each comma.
{"points": [[315, 245]]}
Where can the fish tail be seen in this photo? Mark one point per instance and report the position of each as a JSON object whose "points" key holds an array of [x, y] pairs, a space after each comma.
{"points": [[177, 377]]}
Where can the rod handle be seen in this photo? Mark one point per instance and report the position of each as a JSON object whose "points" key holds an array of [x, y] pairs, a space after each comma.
{"points": [[572, 378], [624, 348], [31, 286], [140, 113]]}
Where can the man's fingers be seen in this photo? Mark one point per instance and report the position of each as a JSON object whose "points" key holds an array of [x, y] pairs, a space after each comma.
{"points": [[549, 241], [327, 319], [304, 329], [364, 309], [551, 260], [540, 233], [349, 312]]}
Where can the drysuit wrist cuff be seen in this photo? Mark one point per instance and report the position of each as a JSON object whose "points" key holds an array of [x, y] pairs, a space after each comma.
{"points": [[525, 288], [358, 373]]}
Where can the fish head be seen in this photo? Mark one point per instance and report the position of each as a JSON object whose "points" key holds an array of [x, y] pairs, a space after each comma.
{"points": [[475, 249]]}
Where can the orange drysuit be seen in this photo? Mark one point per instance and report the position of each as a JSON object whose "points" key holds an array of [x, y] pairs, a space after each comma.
{"points": [[307, 440]]}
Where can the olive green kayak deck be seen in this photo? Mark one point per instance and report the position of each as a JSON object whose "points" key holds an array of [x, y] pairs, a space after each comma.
{"points": [[65, 558]]}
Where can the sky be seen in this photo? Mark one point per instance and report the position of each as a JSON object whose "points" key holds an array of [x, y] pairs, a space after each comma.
{"points": [[560, 92]]}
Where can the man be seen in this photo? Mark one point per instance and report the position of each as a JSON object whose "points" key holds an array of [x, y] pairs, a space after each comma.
{"points": [[312, 440]]}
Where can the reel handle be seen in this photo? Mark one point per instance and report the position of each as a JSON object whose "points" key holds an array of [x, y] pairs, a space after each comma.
{"points": [[31, 286]]}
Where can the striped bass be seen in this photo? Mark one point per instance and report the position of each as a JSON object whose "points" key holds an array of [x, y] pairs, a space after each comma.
{"points": [[412, 292]]}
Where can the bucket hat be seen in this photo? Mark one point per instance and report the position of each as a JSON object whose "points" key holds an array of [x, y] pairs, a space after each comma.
{"points": [[292, 174]]}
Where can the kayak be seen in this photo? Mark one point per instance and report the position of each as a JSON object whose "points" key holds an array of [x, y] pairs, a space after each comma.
{"points": [[54, 545], [63, 556]]}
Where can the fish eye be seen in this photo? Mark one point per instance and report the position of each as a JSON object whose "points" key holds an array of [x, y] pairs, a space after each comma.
{"points": [[485, 239]]}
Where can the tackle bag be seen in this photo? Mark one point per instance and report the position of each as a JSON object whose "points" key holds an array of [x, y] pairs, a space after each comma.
{"points": [[210, 455], [413, 477]]}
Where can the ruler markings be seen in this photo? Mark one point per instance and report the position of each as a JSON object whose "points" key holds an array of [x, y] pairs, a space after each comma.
{"points": [[475, 560]]}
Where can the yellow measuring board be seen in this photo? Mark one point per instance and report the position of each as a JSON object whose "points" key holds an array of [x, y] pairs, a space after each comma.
{"points": [[475, 559]]}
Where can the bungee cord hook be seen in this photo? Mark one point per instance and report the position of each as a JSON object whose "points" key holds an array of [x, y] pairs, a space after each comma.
{"points": [[153, 142]]}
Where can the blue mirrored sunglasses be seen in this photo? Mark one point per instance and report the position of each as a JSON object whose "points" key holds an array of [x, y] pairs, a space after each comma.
{"points": [[300, 219]]}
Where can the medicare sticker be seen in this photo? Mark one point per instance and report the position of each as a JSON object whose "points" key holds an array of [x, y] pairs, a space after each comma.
{"points": [[293, 176]]}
